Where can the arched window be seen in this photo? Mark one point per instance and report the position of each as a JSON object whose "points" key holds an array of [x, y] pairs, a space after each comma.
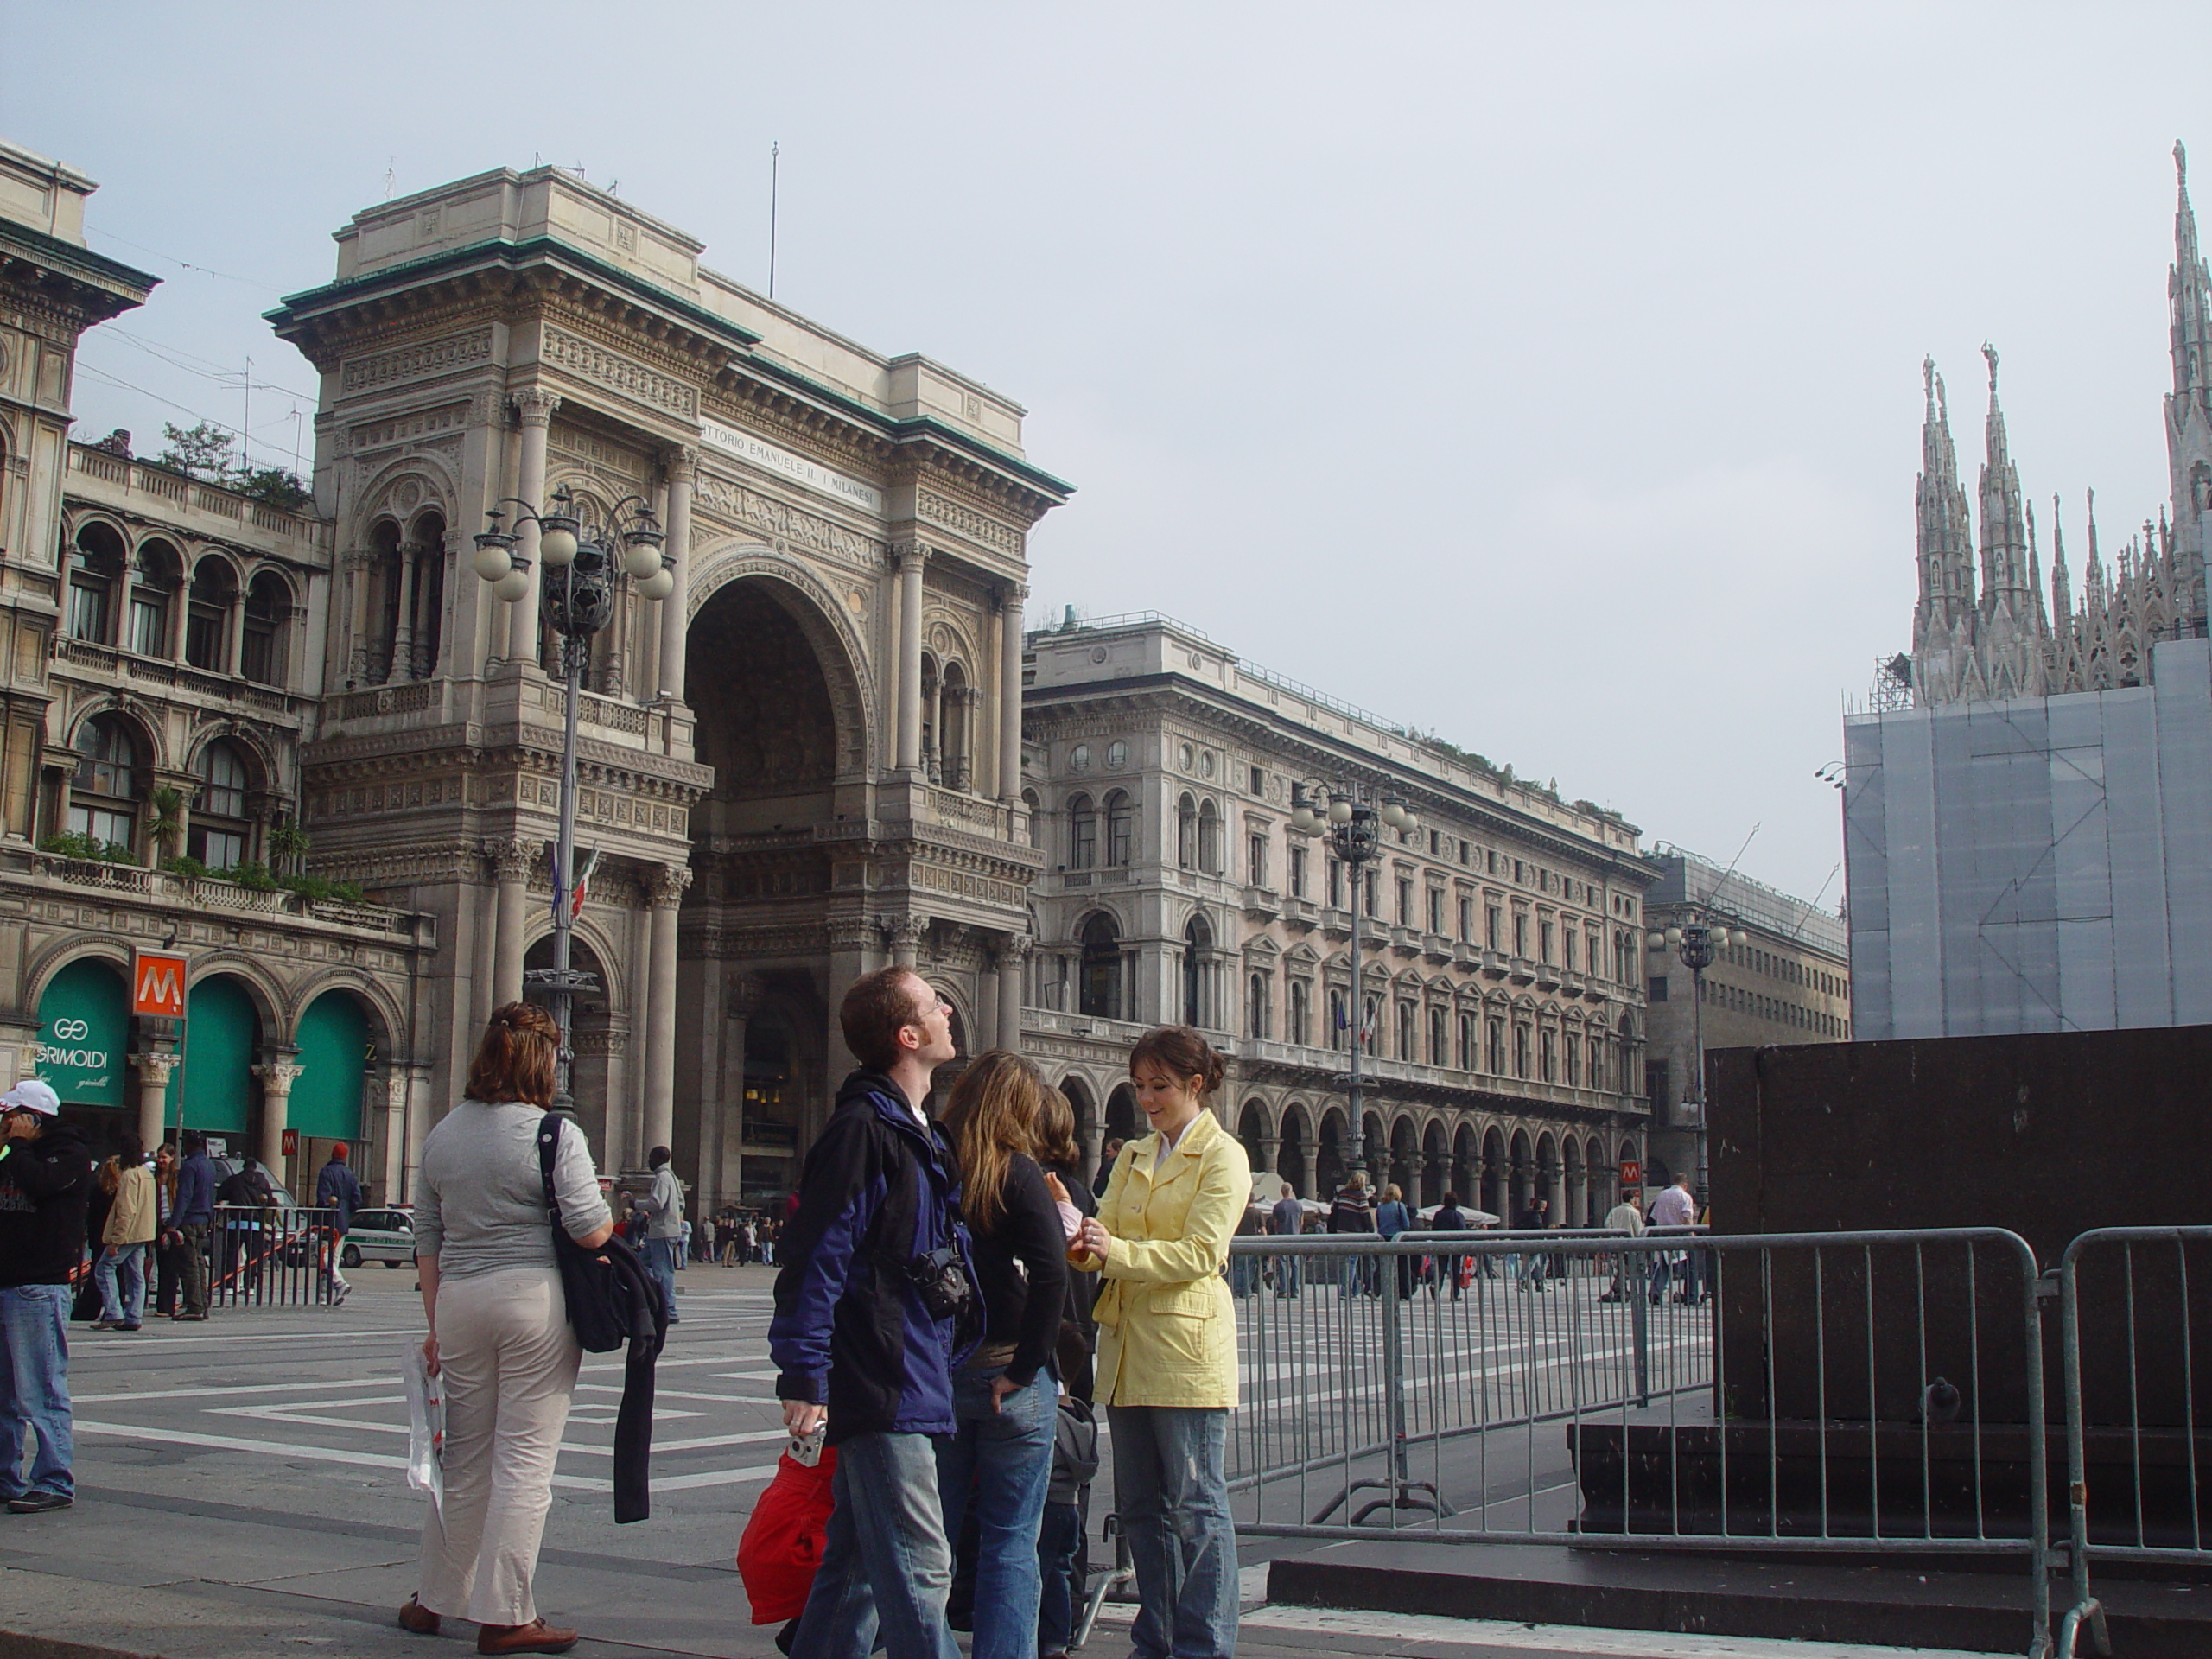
{"points": [[1256, 1006], [1197, 939], [1549, 1045], [1082, 833], [1573, 1046], [1406, 1051], [208, 615], [955, 701], [1467, 1057], [156, 573], [1186, 834], [1209, 840], [1439, 1053], [1520, 1050], [1498, 1048], [1298, 995], [103, 797], [1035, 807], [1099, 994], [217, 838], [268, 608], [1120, 823], [95, 572]]}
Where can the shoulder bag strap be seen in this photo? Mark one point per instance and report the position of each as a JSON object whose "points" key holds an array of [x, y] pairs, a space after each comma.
{"points": [[549, 1148]]}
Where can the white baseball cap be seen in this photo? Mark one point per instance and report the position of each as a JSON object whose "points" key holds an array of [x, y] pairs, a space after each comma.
{"points": [[32, 1096]]}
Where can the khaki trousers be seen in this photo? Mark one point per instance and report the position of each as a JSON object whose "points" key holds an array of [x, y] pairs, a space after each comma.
{"points": [[509, 1361]]}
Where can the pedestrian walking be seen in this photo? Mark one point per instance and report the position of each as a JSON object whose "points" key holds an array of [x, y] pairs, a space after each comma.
{"points": [[1286, 1220], [124, 1236], [1672, 1208], [1450, 1218], [1533, 1219], [1354, 1213], [1391, 1218], [1168, 1346], [997, 1463], [1111, 1151], [338, 1190], [500, 1334], [194, 1217], [45, 1175], [1623, 1218], [863, 1336], [661, 1206]]}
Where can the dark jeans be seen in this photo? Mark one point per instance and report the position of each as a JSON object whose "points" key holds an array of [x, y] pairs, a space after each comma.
{"points": [[661, 1255], [1059, 1549], [192, 1260], [1172, 1488], [168, 1268]]}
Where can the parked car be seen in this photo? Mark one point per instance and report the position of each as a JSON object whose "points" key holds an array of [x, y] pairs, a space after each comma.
{"points": [[385, 1236]]}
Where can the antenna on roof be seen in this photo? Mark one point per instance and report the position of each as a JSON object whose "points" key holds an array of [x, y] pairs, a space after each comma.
{"points": [[775, 164]]}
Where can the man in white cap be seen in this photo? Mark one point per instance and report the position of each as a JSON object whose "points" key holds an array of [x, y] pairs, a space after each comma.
{"points": [[45, 1173]]}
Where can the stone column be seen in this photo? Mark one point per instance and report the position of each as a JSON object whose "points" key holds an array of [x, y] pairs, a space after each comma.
{"points": [[1014, 958], [908, 933], [403, 638], [1011, 601], [912, 556], [984, 1032], [277, 1077], [511, 869], [1266, 1179], [234, 634], [154, 1071], [683, 465], [357, 654], [536, 406], [1310, 1157], [667, 894], [397, 1137]]}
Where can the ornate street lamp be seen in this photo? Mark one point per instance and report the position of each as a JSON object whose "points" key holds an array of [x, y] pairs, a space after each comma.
{"points": [[1698, 942], [1352, 814], [577, 600]]}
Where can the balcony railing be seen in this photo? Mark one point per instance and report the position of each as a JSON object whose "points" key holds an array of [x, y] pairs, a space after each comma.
{"points": [[212, 892]]}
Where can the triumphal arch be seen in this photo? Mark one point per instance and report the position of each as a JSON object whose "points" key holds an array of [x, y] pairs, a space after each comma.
{"points": [[805, 764]]}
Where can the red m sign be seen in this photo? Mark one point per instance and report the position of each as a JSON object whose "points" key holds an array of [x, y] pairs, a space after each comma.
{"points": [[157, 985]]}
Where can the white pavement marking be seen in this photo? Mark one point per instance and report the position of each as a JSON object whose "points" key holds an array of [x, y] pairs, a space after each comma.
{"points": [[278, 1449], [245, 1388], [1573, 1639]]}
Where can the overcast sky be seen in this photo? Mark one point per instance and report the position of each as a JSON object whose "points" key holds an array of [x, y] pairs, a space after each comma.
{"points": [[1546, 377]]}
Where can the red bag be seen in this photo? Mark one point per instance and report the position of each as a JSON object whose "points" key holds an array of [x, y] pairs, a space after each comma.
{"points": [[782, 1542]]}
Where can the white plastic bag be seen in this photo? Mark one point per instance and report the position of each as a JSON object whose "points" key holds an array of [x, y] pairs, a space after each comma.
{"points": [[426, 1425]]}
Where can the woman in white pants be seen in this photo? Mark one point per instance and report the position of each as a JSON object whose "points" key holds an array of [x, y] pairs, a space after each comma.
{"points": [[500, 1333]]}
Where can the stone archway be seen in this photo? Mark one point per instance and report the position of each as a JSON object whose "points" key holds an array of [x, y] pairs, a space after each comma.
{"points": [[766, 718]]}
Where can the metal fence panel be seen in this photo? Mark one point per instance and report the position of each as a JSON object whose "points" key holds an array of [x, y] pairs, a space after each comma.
{"points": [[272, 1257]]}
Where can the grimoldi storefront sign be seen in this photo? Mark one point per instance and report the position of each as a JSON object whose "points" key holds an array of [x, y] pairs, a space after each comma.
{"points": [[84, 1034]]}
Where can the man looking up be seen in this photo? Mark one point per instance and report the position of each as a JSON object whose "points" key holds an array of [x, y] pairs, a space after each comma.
{"points": [[851, 1333], [45, 1175]]}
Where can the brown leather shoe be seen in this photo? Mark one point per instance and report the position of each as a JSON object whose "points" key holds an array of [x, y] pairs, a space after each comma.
{"points": [[418, 1618], [536, 1637]]}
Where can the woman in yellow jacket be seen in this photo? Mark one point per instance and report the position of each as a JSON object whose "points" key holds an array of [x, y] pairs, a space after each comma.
{"points": [[1168, 1346]]}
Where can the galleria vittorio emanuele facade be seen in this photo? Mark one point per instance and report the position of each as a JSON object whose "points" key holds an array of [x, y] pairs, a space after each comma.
{"points": [[808, 762]]}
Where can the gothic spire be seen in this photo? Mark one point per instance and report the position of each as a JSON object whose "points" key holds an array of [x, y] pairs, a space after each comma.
{"points": [[2009, 644], [1943, 622], [2188, 411], [2189, 290]]}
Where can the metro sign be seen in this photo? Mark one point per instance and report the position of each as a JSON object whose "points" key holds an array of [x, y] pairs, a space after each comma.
{"points": [[157, 985]]}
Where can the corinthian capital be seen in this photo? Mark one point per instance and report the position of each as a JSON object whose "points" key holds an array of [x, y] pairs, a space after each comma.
{"points": [[277, 1077], [536, 405], [510, 860], [681, 462], [909, 556], [668, 883]]}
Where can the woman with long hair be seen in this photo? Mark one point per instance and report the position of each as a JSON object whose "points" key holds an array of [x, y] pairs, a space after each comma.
{"points": [[169, 1244], [999, 1458], [500, 1334], [1168, 1346]]}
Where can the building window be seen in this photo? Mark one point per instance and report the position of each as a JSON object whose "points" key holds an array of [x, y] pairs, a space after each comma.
{"points": [[1256, 860], [1655, 988], [1256, 1006], [153, 589], [1372, 897], [208, 615], [1083, 833], [1567, 949], [1298, 872], [1436, 910], [1337, 1021], [1520, 933], [1405, 902], [1438, 1053], [217, 838], [1520, 1050], [1573, 1048], [1544, 936], [103, 802], [1497, 1047], [1209, 840], [1186, 834], [1336, 885], [1259, 781], [1371, 1026], [1655, 1087], [1197, 941], [1549, 1047], [95, 572], [1406, 1032], [1493, 926], [1099, 992], [1121, 824], [1466, 1042], [1466, 921], [1298, 1032], [268, 606]]}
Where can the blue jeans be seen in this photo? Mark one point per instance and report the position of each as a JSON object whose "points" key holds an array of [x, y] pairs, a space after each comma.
{"points": [[1060, 1546], [35, 1389], [1002, 1461], [661, 1259], [1286, 1275], [886, 1561], [1171, 1491], [128, 1263]]}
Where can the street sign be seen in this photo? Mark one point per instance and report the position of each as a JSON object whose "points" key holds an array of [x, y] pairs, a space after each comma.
{"points": [[157, 985], [291, 1144], [1632, 1174]]}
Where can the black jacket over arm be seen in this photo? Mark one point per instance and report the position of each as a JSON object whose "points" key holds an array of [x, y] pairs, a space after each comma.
{"points": [[1022, 1265]]}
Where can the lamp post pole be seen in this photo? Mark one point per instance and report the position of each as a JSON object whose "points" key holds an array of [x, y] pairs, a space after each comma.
{"points": [[576, 607], [1353, 817], [1698, 942]]}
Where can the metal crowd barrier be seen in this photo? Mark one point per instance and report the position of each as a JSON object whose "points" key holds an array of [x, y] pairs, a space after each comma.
{"points": [[1857, 1392], [2137, 1489], [270, 1257]]}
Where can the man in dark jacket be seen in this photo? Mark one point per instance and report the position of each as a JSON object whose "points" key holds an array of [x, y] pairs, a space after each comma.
{"points": [[338, 1189], [852, 1334], [194, 1215], [45, 1172]]}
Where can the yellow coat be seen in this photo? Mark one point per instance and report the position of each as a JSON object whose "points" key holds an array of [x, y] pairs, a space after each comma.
{"points": [[1166, 1322]]}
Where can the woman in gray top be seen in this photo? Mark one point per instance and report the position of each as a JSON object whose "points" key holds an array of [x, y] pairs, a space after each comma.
{"points": [[500, 1334]]}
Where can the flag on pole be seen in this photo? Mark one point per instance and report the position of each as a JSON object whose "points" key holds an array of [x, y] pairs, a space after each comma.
{"points": [[583, 884]]}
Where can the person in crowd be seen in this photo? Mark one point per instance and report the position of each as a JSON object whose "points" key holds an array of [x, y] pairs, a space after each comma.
{"points": [[338, 1190], [1354, 1213], [1675, 1207], [129, 1228], [167, 1249], [1450, 1218], [863, 1353], [1062, 1160], [1623, 1218], [1533, 1219], [661, 1208], [1168, 1346], [1245, 1270], [1060, 1533], [1106, 1157], [194, 1216], [683, 1247], [998, 1461], [499, 1335], [99, 1200], [45, 1175], [1391, 1218], [248, 1195], [1286, 1219]]}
